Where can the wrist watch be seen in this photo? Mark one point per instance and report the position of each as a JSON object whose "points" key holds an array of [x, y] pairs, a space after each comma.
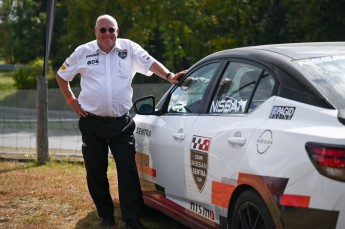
{"points": [[168, 75]]}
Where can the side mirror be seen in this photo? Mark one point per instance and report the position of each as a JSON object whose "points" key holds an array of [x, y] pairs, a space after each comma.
{"points": [[145, 105]]}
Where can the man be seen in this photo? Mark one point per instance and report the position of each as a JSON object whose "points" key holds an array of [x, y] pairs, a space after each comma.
{"points": [[107, 66]]}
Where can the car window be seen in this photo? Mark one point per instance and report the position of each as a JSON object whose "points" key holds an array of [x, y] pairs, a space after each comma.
{"points": [[188, 96], [264, 90], [235, 89]]}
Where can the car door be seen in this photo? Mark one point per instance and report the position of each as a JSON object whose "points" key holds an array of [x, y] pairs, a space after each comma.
{"points": [[219, 137], [165, 147]]}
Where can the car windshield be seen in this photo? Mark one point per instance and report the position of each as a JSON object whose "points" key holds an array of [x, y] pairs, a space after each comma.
{"points": [[327, 74]]}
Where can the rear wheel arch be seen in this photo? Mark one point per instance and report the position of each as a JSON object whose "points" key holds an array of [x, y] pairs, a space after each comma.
{"points": [[237, 192], [247, 194]]}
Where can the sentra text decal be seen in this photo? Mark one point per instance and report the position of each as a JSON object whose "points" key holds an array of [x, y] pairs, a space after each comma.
{"points": [[143, 131], [199, 160], [201, 210], [282, 112]]}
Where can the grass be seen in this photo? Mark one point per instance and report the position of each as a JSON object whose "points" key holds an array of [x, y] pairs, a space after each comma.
{"points": [[55, 196], [6, 80]]}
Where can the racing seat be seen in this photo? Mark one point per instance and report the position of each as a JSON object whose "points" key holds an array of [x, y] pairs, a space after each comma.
{"points": [[264, 89], [247, 83]]}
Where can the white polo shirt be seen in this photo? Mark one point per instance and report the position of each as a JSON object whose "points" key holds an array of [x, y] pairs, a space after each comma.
{"points": [[106, 79]]}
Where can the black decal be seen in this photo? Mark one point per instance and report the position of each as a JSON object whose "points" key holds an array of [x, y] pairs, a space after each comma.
{"points": [[282, 112]]}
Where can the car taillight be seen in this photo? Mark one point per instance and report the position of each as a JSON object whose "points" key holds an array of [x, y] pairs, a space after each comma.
{"points": [[329, 160]]}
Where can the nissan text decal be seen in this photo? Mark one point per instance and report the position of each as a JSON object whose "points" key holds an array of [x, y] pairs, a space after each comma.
{"points": [[282, 112], [228, 106], [199, 160]]}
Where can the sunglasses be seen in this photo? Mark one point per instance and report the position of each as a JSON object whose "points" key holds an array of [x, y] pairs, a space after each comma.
{"points": [[104, 30]]}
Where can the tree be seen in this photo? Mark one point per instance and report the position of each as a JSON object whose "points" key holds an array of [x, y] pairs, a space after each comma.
{"points": [[6, 13], [27, 30]]}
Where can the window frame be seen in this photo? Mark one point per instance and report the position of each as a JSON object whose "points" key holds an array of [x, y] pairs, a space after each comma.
{"points": [[208, 101], [208, 89]]}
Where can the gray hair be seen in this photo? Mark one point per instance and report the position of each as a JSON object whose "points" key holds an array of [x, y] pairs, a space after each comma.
{"points": [[107, 17]]}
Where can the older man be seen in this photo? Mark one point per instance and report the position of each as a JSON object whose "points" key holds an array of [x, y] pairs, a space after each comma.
{"points": [[107, 66]]}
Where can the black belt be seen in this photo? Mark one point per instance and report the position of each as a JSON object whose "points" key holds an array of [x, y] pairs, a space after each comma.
{"points": [[106, 118]]}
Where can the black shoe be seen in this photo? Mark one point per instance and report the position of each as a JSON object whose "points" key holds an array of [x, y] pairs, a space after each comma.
{"points": [[135, 224], [107, 222]]}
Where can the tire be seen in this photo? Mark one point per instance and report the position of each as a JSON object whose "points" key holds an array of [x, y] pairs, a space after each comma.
{"points": [[250, 212]]}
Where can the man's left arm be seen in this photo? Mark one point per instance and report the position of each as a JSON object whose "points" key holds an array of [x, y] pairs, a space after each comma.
{"points": [[161, 71]]}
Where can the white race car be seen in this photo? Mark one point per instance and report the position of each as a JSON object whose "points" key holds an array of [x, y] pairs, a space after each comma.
{"points": [[250, 138]]}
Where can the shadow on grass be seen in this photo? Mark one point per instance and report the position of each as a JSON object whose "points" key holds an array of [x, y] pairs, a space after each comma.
{"points": [[152, 218]]}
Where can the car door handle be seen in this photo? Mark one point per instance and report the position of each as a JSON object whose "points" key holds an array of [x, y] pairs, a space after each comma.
{"points": [[179, 136], [237, 140]]}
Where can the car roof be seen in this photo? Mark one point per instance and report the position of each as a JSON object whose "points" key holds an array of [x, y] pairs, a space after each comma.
{"points": [[289, 50]]}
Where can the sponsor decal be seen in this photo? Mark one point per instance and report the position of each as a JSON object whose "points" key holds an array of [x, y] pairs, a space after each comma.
{"points": [[199, 160], [93, 62], [92, 55], [265, 141], [282, 112], [143, 131], [320, 60], [228, 106], [201, 210], [122, 53]]}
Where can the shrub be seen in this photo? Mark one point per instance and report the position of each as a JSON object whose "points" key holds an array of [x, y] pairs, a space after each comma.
{"points": [[25, 76]]}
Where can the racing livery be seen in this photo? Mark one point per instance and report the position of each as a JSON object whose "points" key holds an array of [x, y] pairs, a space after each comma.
{"points": [[250, 138]]}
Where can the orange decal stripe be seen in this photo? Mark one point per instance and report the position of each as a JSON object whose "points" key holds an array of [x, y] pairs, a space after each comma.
{"points": [[142, 161], [295, 201], [221, 194], [149, 171]]}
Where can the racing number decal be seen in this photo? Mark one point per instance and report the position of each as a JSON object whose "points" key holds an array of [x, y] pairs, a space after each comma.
{"points": [[199, 160]]}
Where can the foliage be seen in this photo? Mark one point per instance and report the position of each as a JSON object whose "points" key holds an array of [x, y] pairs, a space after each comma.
{"points": [[6, 81], [23, 30], [175, 32], [25, 76]]}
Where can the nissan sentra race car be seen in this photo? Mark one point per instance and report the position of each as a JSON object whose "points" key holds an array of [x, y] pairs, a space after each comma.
{"points": [[251, 137]]}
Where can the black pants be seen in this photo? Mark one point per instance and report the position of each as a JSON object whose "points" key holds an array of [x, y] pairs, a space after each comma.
{"points": [[97, 136]]}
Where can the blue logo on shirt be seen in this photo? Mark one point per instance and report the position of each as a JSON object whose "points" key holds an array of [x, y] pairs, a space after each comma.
{"points": [[94, 62]]}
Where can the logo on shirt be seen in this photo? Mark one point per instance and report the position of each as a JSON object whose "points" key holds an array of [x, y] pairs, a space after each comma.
{"points": [[146, 57], [64, 66], [92, 55], [122, 53], [93, 62]]}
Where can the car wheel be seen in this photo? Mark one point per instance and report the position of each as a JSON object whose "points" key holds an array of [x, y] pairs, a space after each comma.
{"points": [[250, 212]]}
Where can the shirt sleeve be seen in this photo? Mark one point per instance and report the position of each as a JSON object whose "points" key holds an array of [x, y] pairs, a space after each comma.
{"points": [[69, 68], [142, 60]]}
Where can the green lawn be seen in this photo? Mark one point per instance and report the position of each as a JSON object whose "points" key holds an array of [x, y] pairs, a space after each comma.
{"points": [[6, 80]]}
